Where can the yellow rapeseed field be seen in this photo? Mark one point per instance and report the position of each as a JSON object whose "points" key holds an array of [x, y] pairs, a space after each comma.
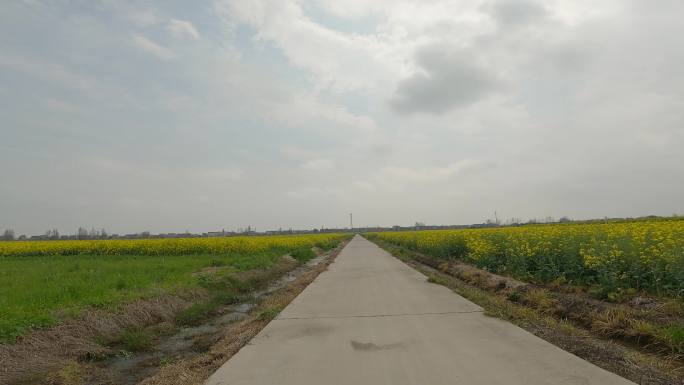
{"points": [[613, 256], [172, 246]]}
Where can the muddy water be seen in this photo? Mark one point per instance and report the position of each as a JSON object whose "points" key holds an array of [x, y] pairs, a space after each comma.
{"points": [[131, 368]]}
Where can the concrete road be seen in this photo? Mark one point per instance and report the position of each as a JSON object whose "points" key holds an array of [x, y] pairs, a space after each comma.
{"points": [[370, 319]]}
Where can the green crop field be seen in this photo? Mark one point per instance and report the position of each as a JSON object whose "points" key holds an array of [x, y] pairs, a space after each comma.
{"points": [[37, 288]]}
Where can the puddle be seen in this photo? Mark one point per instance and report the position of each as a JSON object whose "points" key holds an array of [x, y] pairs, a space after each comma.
{"points": [[192, 341]]}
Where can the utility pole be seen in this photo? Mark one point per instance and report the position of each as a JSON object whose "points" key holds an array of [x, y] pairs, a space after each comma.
{"points": [[351, 222]]}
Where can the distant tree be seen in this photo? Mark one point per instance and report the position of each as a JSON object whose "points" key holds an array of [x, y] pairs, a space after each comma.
{"points": [[8, 235], [103, 233], [82, 233], [515, 221], [22, 237], [145, 234], [52, 234], [564, 219]]}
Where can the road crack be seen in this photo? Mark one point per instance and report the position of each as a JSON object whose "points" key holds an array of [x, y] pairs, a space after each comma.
{"points": [[378, 315]]}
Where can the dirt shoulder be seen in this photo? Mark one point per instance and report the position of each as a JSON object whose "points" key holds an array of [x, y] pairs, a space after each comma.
{"points": [[596, 331]]}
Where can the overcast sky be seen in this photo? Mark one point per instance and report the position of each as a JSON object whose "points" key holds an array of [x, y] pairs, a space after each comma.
{"points": [[176, 115]]}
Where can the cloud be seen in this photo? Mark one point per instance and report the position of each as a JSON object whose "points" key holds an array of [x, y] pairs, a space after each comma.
{"points": [[319, 164], [331, 56], [230, 173], [447, 78], [431, 174], [62, 106], [314, 192], [516, 12], [142, 17], [52, 72], [304, 108], [182, 28], [147, 45]]}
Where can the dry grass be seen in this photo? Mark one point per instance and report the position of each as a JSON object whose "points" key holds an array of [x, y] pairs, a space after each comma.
{"points": [[673, 308], [540, 299], [71, 374], [47, 350], [641, 331], [612, 322]]}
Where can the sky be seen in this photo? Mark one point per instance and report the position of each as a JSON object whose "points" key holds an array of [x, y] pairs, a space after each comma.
{"points": [[169, 116]]}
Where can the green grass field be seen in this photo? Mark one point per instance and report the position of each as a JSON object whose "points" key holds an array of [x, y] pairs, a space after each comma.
{"points": [[34, 289], [44, 282]]}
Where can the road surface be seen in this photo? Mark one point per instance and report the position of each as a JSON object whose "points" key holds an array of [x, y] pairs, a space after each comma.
{"points": [[370, 319]]}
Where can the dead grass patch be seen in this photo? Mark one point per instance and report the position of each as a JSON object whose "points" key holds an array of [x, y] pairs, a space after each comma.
{"points": [[71, 373], [612, 322], [47, 350], [540, 299]]}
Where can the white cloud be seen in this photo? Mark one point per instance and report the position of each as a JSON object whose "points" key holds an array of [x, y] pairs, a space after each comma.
{"points": [[230, 173], [333, 57], [51, 72], [431, 174], [182, 28], [142, 17], [147, 45], [314, 192], [304, 108], [61, 105], [319, 164]]}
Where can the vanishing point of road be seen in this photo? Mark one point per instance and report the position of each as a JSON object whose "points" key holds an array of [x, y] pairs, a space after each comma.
{"points": [[371, 319]]}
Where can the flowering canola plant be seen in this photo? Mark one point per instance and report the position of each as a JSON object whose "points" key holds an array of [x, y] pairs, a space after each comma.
{"points": [[169, 246], [635, 255]]}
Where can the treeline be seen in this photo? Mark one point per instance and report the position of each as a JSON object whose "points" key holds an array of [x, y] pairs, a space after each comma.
{"points": [[54, 234]]}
